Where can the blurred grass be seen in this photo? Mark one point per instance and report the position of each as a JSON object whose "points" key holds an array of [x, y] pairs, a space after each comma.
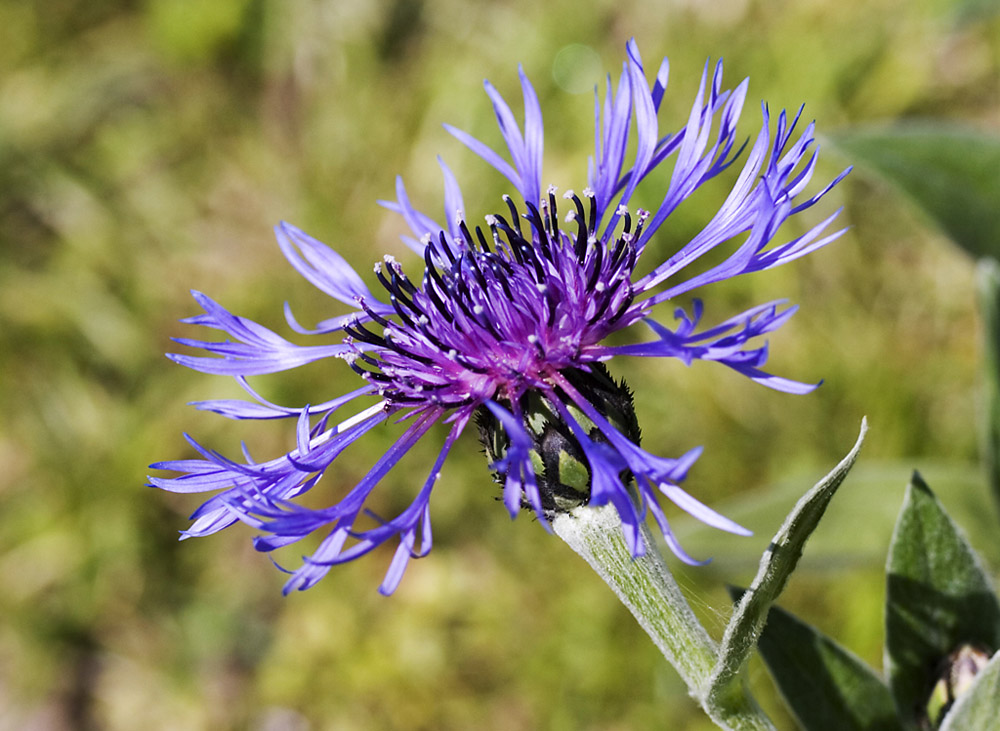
{"points": [[146, 148]]}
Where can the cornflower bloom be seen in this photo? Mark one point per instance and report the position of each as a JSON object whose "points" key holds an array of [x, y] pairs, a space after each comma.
{"points": [[507, 323]]}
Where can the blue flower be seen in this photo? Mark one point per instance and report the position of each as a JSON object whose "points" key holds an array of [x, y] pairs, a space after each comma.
{"points": [[509, 318]]}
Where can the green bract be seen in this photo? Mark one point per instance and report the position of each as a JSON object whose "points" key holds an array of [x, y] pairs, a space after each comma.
{"points": [[560, 465]]}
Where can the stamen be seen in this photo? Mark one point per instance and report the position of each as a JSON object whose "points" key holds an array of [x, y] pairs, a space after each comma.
{"points": [[377, 318], [394, 300], [592, 220], [596, 260], [465, 234], [553, 213], [432, 283], [359, 332], [515, 218], [643, 216], [629, 297], [483, 245], [582, 236], [535, 219], [401, 280], [619, 251], [369, 360], [442, 245], [368, 375]]}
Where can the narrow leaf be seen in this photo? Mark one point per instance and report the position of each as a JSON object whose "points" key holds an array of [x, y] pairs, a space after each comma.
{"points": [[988, 280], [777, 563], [826, 686], [938, 599], [979, 707], [952, 173]]}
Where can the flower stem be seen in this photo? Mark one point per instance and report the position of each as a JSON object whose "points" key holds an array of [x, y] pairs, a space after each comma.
{"points": [[646, 586]]}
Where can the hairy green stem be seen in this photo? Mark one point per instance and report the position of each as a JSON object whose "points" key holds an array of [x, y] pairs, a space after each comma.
{"points": [[646, 586]]}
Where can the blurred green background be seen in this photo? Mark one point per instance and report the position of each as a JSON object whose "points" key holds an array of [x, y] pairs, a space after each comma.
{"points": [[147, 148]]}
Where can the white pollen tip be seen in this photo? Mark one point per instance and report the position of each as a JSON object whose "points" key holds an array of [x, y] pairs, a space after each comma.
{"points": [[491, 220], [568, 195], [532, 339], [570, 217], [478, 309], [389, 259], [599, 286], [621, 210], [552, 190], [505, 197], [425, 239], [541, 287], [588, 192]]}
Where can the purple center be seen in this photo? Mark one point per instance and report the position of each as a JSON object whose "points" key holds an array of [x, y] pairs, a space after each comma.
{"points": [[498, 314]]}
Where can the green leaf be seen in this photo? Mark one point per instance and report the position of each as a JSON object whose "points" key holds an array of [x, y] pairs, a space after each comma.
{"points": [[988, 281], [826, 686], [979, 707], [952, 173], [938, 599], [777, 563]]}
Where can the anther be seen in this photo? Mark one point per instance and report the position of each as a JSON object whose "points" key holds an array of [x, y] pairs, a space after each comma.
{"points": [[553, 213], [482, 240], [465, 234], [515, 219], [596, 261]]}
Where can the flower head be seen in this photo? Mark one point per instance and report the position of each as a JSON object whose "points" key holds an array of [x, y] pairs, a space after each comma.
{"points": [[507, 322]]}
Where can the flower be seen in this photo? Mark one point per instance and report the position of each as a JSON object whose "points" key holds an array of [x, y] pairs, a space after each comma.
{"points": [[509, 322]]}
